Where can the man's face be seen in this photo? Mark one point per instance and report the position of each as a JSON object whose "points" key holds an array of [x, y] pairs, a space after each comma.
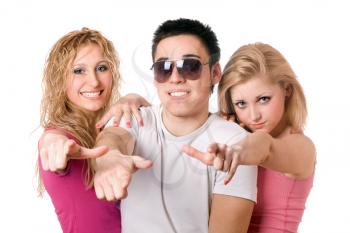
{"points": [[181, 94]]}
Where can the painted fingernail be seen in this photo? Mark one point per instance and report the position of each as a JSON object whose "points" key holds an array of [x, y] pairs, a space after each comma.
{"points": [[128, 124], [225, 182]]}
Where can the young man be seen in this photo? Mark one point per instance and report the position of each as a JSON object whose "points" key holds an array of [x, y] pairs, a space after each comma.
{"points": [[178, 193]]}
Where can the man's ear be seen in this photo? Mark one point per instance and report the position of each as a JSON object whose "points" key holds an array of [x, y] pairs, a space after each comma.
{"points": [[216, 73]]}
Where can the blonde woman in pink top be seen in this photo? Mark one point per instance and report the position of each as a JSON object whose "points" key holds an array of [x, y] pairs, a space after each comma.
{"points": [[81, 78], [259, 90]]}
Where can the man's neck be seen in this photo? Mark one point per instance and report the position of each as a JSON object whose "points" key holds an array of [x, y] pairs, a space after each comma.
{"points": [[181, 126]]}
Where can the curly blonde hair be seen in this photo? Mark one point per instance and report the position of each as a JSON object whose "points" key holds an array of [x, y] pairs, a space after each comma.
{"points": [[253, 59], [57, 111]]}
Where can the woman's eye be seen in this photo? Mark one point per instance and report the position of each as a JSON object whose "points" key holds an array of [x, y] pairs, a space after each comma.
{"points": [[102, 68], [240, 104], [264, 99], [78, 71]]}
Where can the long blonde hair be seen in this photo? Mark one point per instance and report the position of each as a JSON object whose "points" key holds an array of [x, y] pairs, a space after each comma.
{"points": [[252, 59], [57, 111]]}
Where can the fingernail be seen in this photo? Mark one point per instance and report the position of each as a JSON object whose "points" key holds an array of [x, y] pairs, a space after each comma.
{"points": [[98, 125], [141, 123], [225, 182], [116, 123], [128, 124]]}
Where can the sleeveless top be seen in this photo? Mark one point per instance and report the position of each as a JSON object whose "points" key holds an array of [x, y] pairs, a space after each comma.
{"points": [[280, 203], [77, 207]]}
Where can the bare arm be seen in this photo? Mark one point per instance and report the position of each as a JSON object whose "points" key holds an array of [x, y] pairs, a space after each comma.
{"points": [[114, 170], [230, 214], [294, 154]]}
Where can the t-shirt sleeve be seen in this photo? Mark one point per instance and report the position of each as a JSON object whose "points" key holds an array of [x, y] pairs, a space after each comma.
{"points": [[243, 183]]}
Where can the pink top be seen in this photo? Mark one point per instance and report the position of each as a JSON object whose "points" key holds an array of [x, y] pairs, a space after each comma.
{"points": [[77, 208], [280, 202]]}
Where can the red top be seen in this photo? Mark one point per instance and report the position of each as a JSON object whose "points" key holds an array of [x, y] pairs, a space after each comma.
{"points": [[280, 202], [77, 208]]}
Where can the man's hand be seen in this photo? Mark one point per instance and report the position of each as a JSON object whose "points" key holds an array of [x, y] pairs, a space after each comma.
{"points": [[114, 172]]}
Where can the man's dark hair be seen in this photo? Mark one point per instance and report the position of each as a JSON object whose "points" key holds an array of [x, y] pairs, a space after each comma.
{"points": [[190, 27]]}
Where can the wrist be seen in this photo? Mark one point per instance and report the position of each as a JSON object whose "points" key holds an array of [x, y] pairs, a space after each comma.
{"points": [[106, 159], [266, 141]]}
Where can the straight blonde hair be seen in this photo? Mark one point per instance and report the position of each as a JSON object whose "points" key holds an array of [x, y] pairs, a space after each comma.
{"points": [[253, 59]]}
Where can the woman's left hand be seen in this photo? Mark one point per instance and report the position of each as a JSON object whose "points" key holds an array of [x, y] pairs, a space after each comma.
{"points": [[125, 107]]}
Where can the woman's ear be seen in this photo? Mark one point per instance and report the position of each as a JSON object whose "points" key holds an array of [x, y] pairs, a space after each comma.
{"points": [[288, 90]]}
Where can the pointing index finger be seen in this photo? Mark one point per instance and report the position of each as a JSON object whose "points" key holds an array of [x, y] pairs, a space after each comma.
{"points": [[206, 158]]}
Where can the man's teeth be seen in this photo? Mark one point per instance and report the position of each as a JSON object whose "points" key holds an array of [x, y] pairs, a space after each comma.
{"points": [[179, 93], [91, 94]]}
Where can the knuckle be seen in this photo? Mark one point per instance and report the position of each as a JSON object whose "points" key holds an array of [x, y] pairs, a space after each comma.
{"points": [[208, 159]]}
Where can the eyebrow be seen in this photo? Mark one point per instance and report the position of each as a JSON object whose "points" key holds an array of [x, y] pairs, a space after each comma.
{"points": [[257, 97], [183, 56], [238, 100], [263, 94], [83, 64]]}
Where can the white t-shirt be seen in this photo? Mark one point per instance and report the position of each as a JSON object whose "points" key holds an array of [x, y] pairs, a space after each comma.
{"points": [[174, 195]]}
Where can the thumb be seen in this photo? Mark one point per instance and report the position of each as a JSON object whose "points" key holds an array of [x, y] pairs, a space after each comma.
{"points": [[104, 119], [71, 148], [87, 153], [213, 148], [140, 162], [145, 103]]}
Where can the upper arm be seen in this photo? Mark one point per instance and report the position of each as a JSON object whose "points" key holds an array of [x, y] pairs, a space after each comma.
{"points": [[230, 214], [294, 154]]}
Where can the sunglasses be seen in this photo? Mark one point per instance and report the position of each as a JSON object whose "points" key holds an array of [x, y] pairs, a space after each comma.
{"points": [[188, 68]]}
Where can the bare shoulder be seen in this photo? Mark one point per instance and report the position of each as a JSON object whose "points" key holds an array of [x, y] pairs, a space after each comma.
{"points": [[303, 146], [289, 132]]}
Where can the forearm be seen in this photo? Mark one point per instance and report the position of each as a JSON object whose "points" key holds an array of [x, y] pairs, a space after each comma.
{"points": [[116, 139], [230, 214]]}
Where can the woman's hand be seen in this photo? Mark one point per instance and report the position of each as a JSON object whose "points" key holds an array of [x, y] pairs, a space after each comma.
{"points": [[56, 150], [125, 107], [252, 150]]}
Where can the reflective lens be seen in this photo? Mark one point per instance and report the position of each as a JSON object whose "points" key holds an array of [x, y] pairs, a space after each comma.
{"points": [[188, 68]]}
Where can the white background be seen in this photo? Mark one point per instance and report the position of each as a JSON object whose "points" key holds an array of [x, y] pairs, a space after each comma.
{"points": [[313, 36]]}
